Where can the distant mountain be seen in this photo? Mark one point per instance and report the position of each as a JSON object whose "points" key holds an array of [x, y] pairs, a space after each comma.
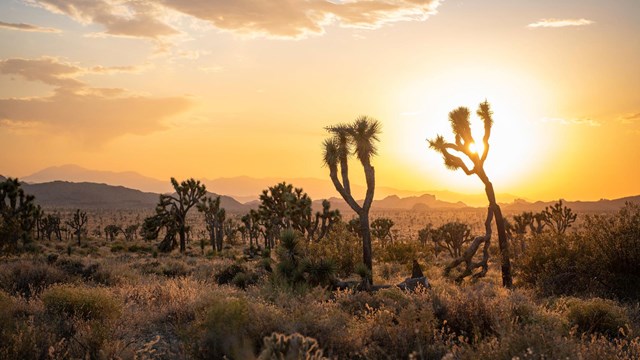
{"points": [[85, 195], [242, 188], [74, 173], [603, 205], [246, 188], [419, 203]]}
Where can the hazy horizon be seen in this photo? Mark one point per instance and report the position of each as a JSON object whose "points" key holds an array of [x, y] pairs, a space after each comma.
{"points": [[209, 90]]}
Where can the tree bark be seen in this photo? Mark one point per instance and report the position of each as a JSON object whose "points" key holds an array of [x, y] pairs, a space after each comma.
{"points": [[507, 280], [183, 244], [366, 244]]}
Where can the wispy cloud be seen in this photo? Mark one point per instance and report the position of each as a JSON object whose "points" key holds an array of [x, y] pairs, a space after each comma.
{"points": [[91, 115], [290, 19], [556, 23], [630, 118], [139, 18], [574, 121], [27, 27], [298, 19]]}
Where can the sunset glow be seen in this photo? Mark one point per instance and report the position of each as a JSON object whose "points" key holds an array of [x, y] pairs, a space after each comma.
{"points": [[215, 89]]}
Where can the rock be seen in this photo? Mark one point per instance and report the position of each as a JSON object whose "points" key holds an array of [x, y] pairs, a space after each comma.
{"points": [[417, 270], [411, 284]]}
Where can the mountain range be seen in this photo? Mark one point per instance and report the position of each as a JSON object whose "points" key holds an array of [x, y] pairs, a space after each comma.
{"points": [[84, 188], [241, 188]]}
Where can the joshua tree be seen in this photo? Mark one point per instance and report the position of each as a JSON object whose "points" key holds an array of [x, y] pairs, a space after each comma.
{"points": [[111, 231], [188, 194], [214, 217], [50, 225], [381, 229], [452, 236], [358, 138], [253, 228], [78, 223], [425, 234], [323, 222], [131, 232], [465, 144], [18, 214], [559, 217], [285, 207]]}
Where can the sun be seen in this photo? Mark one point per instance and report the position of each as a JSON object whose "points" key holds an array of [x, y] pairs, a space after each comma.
{"points": [[475, 148]]}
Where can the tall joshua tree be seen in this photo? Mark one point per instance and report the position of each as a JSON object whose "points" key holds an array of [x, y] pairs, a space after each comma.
{"points": [[78, 223], [171, 213], [214, 217], [358, 138], [465, 144]]}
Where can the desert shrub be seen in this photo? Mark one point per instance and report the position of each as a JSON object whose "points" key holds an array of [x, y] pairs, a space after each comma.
{"points": [[137, 248], [175, 268], [117, 247], [83, 314], [232, 327], [28, 278], [526, 342], [6, 316], [555, 264], [341, 246], [603, 259], [399, 252], [226, 275], [469, 312], [71, 266], [614, 245], [597, 316], [81, 302], [243, 279]]}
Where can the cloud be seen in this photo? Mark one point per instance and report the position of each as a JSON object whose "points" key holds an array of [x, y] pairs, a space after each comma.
{"points": [[267, 18], [90, 115], [27, 27], [296, 19], [630, 118], [556, 23], [121, 18], [580, 121]]}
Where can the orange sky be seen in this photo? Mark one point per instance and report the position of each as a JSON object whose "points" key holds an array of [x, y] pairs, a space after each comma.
{"points": [[217, 89]]}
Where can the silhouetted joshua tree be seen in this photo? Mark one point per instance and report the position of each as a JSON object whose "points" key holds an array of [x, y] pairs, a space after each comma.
{"points": [[18, 214], [358, 138], [171, 214], [452, 236], [131, 232], [381, 229], [214, 217], [78, 223], [188, 194], [559, 217], [464, 143], [111, 231]]}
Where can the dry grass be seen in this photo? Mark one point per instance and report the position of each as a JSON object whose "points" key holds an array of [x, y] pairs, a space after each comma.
{"points": [[132, 304]]}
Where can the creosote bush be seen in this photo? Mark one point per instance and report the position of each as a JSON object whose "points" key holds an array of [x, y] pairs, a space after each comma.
{"points": [[598, 316], [602, 259], [81, 302], [28, 278]]}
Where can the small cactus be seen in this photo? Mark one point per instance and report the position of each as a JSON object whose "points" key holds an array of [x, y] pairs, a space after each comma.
{"points": [[290, 347]]}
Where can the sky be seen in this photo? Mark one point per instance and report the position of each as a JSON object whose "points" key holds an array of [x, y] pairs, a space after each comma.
{"points": [[214, 88]]}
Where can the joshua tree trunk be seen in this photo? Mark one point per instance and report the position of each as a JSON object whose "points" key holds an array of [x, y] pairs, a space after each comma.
{"points": [[182, 235], [366, 242], [503, 242]]}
